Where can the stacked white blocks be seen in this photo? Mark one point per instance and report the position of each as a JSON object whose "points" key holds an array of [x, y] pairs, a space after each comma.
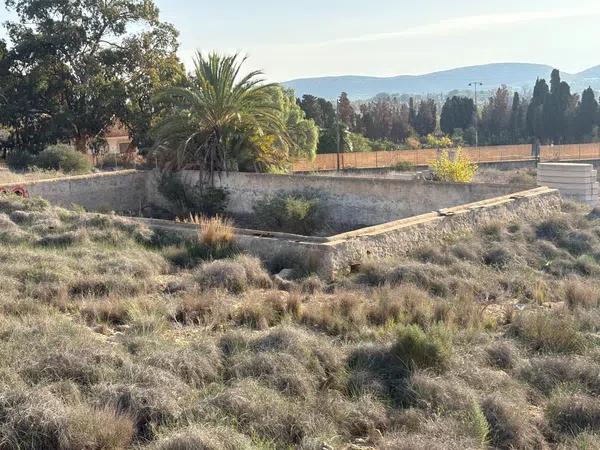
{"points": [[577, 182]]}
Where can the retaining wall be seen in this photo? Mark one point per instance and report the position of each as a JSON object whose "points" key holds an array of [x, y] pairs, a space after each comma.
{"points": [[337, 255], [123, 191], [351, 202]]}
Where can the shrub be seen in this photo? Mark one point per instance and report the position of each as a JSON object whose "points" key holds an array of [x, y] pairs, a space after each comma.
{"points": [[498, 257], [65, 158], [502, 355], [423, 350], [578, 294], [189, 199], [404, 166], [509, 427], [234, 275], [298, 212], [553, 229], [19, 160], [216, 240], [264, 412], [549, 331], [578, 242], [440, 394], [457, 170], [548, 373], [573, 414], [343, 314], [204, 438], [39, 419]]}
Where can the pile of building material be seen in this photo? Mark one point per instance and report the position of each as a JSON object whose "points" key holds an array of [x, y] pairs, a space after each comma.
{"points": [[577, 182]]}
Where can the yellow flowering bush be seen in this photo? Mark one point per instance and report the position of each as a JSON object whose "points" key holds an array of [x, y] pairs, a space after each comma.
{"points": [[459, 169]]}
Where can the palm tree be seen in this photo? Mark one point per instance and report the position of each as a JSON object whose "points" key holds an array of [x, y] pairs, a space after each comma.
{"points": [[210, 119]]}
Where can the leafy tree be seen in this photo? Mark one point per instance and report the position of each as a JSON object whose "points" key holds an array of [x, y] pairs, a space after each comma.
{"points": [[319, 110], [496, 115], [457, 113], [346, 111], [221, 116], [152, 65], [73, 66], [587, 114], [303, 133], [426, 120]]}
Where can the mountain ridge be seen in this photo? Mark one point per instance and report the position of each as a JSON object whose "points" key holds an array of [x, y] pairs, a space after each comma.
{"points": [[518, 76]]}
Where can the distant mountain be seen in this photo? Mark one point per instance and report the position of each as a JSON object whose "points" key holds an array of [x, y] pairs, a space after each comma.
{"points": [[514, 75]]}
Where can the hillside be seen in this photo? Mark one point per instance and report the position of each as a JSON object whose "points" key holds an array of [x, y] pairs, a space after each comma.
{"points": [[514, 75], [113, 337]]}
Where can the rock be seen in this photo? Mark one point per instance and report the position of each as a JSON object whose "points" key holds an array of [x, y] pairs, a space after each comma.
{"points": [[286, 274]]}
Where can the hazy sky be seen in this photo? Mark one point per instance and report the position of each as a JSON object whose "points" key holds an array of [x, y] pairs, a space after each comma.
{"points": [[303, 38]]}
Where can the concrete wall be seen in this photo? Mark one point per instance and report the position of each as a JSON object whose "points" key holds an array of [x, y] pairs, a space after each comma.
{"points": [[123, 191], [400, 237], [336, 255], [351, 201]]}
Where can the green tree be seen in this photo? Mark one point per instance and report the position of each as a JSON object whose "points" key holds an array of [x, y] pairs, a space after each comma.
{"points": [[535, 116], [516, 118], [302, 132], [426, 120], [457, 113], [72, 64], [220, 117], [495, 117], [412, 112], [556, 108], [346, 111], [153, 65], [587, 114]]}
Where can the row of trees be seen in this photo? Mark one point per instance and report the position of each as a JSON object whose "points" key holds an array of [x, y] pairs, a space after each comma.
{"points": [[383, 123], [71, 70], [552, 115]]}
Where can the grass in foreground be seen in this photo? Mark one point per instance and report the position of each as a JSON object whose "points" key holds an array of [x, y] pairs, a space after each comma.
{"points": [[113, 337]]}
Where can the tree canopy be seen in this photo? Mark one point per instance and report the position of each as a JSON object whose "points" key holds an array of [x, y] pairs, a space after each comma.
{"points": [[73, 68]]}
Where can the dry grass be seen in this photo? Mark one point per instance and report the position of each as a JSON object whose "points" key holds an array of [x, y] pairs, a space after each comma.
{"points": [[105, 344], [7, 176], [212, 231]]}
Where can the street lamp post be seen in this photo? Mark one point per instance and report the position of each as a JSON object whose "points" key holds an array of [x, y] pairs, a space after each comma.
{"points": [[476, 84], [337, 129]]}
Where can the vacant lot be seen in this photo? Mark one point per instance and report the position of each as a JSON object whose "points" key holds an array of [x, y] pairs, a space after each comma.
{"points": [[114, 337]]}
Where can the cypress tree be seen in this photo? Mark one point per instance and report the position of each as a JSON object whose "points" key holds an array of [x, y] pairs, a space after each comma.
{"points": [[587, 114]]}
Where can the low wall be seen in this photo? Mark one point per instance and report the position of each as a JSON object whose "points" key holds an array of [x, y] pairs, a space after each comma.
{"points": [[123, 191], [350, 201], [399, 237], [336, 255]]}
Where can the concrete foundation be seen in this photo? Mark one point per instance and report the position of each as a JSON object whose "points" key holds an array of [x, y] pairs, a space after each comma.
{"points": [[399, 215]]}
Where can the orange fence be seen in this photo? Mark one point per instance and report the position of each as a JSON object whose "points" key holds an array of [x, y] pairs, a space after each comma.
{"points": [[370, 160]]}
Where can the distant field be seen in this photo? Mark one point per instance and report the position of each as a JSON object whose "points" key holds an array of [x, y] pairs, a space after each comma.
{"points": [[114, 337]]}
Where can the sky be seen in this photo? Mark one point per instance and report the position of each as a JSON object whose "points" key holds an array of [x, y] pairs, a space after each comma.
{"points": [[307, 38]]}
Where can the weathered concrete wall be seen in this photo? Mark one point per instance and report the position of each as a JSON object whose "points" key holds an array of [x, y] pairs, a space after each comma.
{"points": [[400, 237], [351, 201], [123, 191], [337, 254]]}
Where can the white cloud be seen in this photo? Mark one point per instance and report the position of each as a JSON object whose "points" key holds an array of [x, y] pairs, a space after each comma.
{"points": [[469, 23]]}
